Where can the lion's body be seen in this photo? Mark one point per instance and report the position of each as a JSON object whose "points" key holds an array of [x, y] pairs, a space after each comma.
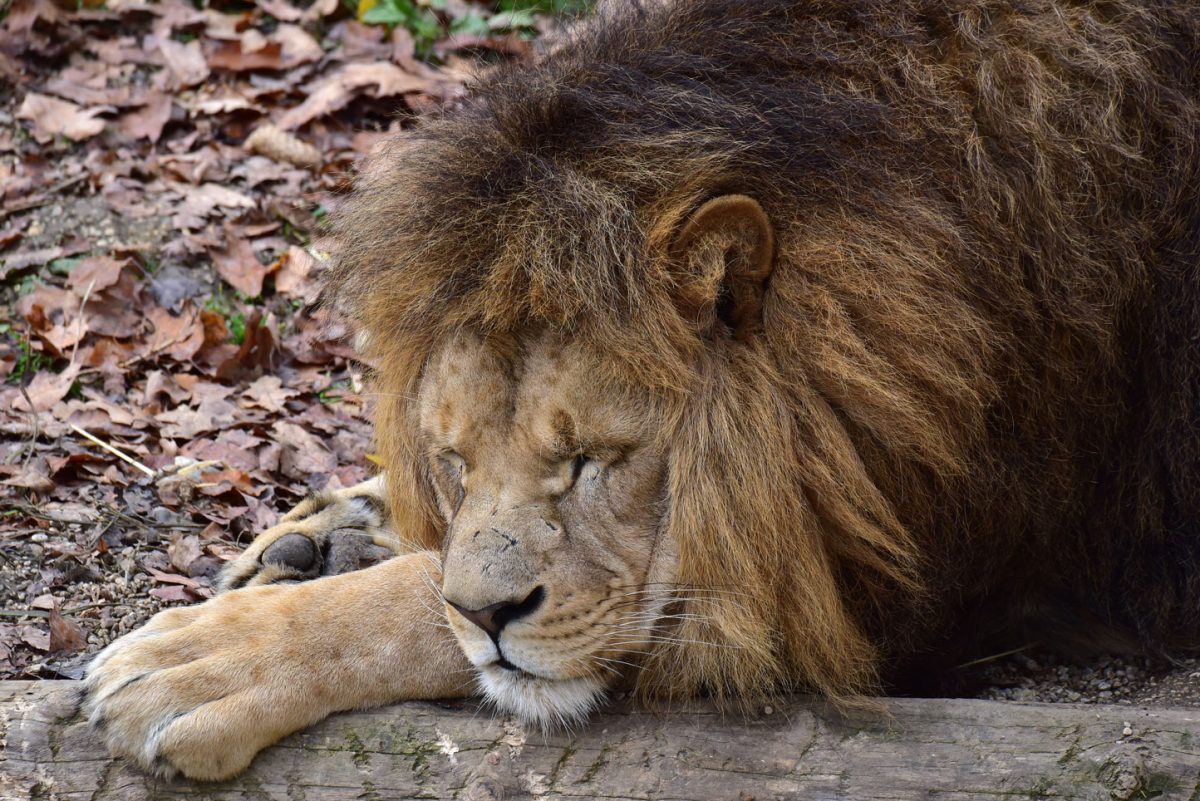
{"points": [[979, 384], [968, 405]]}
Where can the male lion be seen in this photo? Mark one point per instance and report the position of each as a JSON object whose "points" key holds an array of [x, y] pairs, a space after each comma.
{"points": [[741, 347]]}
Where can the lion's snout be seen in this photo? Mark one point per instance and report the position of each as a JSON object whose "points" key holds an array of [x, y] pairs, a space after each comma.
{"points": [[494, 617]]}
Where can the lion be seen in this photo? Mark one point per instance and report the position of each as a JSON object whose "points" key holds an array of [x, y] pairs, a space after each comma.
{"points": [[740, 348]]}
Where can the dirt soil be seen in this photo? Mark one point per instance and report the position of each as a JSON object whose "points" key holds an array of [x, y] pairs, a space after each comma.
{"points": [[169, 387]]}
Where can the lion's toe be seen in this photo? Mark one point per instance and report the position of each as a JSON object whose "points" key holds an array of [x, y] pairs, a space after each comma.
{"points": [[326, 535], [294, 552]]}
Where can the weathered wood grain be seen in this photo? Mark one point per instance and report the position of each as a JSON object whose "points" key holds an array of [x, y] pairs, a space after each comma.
{"points": [[925, 749]]}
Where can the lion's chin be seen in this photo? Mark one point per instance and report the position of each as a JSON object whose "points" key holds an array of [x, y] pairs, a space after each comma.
{"points": [[547, 703]]}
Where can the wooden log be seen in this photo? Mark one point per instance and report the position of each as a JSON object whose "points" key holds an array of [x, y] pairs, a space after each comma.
{"points": [[924, 749]]}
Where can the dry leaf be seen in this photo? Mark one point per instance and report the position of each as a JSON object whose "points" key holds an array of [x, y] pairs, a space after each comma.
{"points": [[52, 117], [97, 272], [170, 578], [185, 64], [268, 393], [377, 79], [65, 635], [36, 637], [238, 265], [147, 122], [281, 10], [185, 422], [295, 276], [298, 46], [204, 199], [47, 389], [183, 550], [179, 337], [232, 56], [171, 592], [303, 454]]}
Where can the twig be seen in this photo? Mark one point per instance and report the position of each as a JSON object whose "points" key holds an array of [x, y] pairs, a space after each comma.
{"points": [[37, 429], [993, 657], [43, 199], [79, 330], [192, 468], [119, 454], [46, 612]]}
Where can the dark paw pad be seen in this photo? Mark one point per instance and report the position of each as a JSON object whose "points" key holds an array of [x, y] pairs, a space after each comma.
{"points": [[295, 551]]}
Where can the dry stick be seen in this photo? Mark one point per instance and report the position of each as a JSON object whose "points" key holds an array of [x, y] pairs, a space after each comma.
{"points": [[31, 445], [79, 330], [43, 199], [115, 452]]}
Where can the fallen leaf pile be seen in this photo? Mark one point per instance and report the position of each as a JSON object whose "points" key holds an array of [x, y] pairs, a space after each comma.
{"points": [[169, 388]]}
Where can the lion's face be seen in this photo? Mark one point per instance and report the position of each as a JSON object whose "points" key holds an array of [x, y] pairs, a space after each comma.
{"points": [[553, 498]]}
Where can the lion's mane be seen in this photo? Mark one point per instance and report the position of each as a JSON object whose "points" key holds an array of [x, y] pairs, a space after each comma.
{"points": [[976, 391]]}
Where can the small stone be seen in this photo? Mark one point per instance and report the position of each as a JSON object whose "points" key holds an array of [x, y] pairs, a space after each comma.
{"points": [[1128, 730], [40, 537], [767, 710]]}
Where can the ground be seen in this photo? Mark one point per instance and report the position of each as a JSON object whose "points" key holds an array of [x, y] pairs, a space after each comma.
{"points": [[169, 387]]}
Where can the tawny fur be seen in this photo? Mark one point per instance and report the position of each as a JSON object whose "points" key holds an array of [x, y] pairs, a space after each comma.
{"points": [[975, 393]]}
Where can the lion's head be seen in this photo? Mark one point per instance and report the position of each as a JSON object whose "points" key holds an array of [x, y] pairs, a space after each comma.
{"points": [[591, 398], [552, 471], [715, 346]]}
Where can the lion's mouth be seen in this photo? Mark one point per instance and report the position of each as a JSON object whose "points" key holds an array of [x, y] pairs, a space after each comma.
{"points": [[515, 670]]}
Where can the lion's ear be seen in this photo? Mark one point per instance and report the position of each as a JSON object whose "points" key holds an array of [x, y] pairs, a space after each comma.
{"points": [[725, 251]]}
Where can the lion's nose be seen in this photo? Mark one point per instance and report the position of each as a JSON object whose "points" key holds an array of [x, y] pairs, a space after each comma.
{"points": [[494, 617]]}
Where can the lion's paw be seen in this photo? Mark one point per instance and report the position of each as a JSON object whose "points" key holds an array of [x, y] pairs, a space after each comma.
{"points": [[194, 691], [325, 535]]}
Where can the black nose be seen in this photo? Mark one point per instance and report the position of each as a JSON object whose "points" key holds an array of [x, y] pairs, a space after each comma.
{"points": [[495, 617]]}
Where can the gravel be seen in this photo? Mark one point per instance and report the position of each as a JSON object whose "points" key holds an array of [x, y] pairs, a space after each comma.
{"points": [[1106, 679]]}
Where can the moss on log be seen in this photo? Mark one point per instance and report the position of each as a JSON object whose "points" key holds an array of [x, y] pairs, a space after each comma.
{"points": [[924, 749]]}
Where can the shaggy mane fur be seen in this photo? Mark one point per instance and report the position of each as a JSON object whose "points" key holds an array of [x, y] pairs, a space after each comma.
{"points": [[976, 394]]}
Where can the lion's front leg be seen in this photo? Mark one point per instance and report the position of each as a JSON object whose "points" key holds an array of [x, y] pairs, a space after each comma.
{"points": [[325, 535], [200, 690]]}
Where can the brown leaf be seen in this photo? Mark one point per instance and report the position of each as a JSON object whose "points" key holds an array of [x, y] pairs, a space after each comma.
{"points": [[186, 422], [232, 56], [171, 593], [202, 200], [31, 478], [99, 272], [147, 122], [281, 10], [216, 484], [319, 9], [268, 393], [52, 117], [179, 337], [303, 454], [185, 64], [295, 276], [170, 578], [36, 637], [47, 389], [298, 46], [238, 265], [65, 635], [115, 312], [30, 258], [377, 79], [183, 550]]}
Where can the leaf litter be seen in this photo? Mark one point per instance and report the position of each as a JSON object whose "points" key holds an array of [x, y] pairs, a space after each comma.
{"points": [[169, 387]]}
